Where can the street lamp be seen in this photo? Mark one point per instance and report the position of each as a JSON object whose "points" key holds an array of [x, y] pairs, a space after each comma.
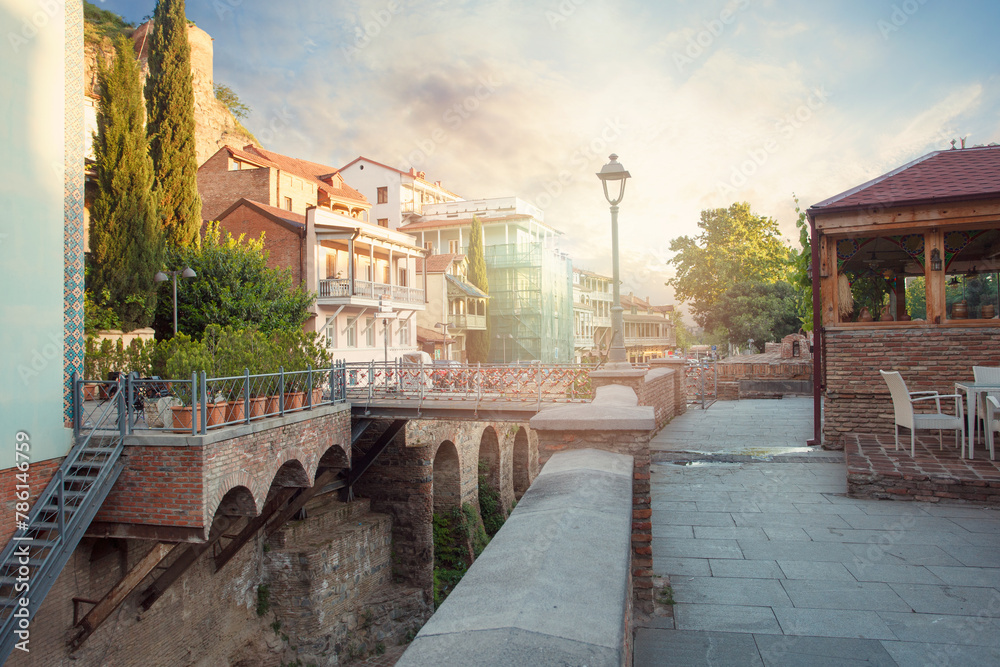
{"points": [[161, 276], [610, 173]]}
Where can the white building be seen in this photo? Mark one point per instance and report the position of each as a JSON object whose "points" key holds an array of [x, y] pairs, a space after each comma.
{"points": [[396, 195], [593, 295]]}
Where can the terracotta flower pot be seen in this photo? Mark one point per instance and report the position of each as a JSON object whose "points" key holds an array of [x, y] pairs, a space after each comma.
{"points": [[258, 406], [295, 400], [89, 392], [317, 396], [182, 417], [236, 412], [272, 406], [216, 413]]}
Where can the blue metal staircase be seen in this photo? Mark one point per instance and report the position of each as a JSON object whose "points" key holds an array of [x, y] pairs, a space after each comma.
{"points": [[59, 517]]}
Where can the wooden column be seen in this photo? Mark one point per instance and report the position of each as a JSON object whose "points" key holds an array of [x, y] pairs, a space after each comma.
{"points": [[935, 280]]}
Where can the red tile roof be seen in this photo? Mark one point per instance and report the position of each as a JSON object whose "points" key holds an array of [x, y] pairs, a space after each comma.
{"points": [[322, 176], [438, 263], [432, 336], [949, 175]]}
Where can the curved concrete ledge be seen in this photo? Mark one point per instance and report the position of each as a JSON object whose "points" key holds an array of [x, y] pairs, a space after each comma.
{"points": [[614, 408], [553, 586]]}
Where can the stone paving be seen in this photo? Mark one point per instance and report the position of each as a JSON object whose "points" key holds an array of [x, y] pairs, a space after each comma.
{"points": [[772, 564]]}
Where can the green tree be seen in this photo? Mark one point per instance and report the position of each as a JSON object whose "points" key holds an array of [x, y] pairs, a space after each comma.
{"points": [[916, 298], [735, 246], [126, 240], [477, 343], [758, 310], [170, 103], [233, 287], [231, 100], [801, 271]]}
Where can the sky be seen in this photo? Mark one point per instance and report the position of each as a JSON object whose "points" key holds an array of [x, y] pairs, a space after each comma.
{"points": [[705, 102]]}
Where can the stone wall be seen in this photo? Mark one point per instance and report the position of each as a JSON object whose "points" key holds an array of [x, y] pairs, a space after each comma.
{"points": [[613, 422], [330, 577], [401, 483], [929, 358]]}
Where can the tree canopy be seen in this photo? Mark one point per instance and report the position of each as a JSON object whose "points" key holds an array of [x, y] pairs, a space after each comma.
{"points": [[170, 103], [231, 100], [735, 247], [756, 310], [477, 343], [126, 241], [801, 270], [233, 287]]}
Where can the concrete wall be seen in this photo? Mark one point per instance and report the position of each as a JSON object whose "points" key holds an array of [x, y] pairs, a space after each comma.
{"points": [[33, 223], [857, 398], [552, 587]]}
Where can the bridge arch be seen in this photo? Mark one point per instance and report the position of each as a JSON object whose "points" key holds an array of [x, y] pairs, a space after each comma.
{"points": [[447, 477]]}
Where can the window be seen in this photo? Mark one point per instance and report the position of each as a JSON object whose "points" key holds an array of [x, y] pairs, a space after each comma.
{"points": [[351, 335], [383, 222], [402, 277], [453, 247], [288, 203], [429, 246], [331, 334], [370, 332], [404, 333], [382, 195]]}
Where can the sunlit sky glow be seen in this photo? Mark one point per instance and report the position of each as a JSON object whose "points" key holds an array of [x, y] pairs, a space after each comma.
{"points": [[705, 102]]}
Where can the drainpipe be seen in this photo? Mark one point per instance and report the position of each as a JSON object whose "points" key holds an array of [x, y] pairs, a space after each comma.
{"points": [[817, 438]]}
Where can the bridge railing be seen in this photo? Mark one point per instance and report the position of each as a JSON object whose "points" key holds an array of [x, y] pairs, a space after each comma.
{"points": [[198, 404], [529, 383]]}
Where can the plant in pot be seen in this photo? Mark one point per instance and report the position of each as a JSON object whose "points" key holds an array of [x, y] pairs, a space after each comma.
{"points": [[319, 358], [186, 356], [294, 361]]}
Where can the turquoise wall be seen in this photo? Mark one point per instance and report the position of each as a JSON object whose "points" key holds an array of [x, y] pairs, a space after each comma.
{"points": [[32, 254]]}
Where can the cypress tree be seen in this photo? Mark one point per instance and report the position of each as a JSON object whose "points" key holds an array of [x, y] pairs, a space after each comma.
{"points": [[170, 102], [477, 343], [126, 239]]}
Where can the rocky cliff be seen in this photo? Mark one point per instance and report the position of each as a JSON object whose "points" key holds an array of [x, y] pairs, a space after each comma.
{"points": [[215, 126]]}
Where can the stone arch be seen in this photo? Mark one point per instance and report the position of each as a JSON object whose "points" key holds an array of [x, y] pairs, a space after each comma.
{"points": [[335, 457], [489, 457], [521, 463], [447, 478], [226, 485], [291, 473], [238, 501]]}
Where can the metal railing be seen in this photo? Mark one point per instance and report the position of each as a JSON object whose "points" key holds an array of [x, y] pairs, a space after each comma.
{"points": [[526, 382], [366, 289], [199, 404]]}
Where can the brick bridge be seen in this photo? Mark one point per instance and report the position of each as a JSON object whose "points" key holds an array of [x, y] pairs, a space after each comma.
{"points": [[306, 575]]}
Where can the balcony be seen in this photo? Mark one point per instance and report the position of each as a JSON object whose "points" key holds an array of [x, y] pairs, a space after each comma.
{"points": [[583, 342], [468, 322], [644, 341], [339, 290]]}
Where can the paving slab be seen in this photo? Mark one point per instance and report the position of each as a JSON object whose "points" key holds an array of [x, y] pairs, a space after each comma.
{"points": [[778, 553]]}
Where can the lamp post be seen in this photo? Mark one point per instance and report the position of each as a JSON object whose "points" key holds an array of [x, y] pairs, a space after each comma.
{"points": [[613, 172], [161, 276]]}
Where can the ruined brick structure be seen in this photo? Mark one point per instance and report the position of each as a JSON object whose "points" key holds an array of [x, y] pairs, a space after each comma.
{"points": [[783, 368]]}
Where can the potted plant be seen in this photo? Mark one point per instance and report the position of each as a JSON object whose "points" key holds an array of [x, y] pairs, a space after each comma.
{"points": [[186, 356]]}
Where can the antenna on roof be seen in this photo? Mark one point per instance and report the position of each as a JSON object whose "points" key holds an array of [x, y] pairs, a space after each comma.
{"points": [[963, 140], [953, 142]]}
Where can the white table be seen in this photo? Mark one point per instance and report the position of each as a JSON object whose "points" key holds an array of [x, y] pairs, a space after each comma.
{"points": [[972, 392]]}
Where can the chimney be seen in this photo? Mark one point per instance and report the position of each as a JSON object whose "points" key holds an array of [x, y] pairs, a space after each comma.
{"points": [[413, 171]]}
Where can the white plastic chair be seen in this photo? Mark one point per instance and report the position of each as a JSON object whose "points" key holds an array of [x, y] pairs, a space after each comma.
{"points": [[992, 421], [985, 375], [902, 405]]}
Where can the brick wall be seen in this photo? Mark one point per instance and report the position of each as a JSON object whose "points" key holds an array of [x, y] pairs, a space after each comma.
{"points": [[166, 485], [857, 399], [284, 246], [39, 475], [220, 188]]}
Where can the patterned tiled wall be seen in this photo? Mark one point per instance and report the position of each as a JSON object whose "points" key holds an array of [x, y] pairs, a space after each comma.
{"points": [[73, 201]]}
